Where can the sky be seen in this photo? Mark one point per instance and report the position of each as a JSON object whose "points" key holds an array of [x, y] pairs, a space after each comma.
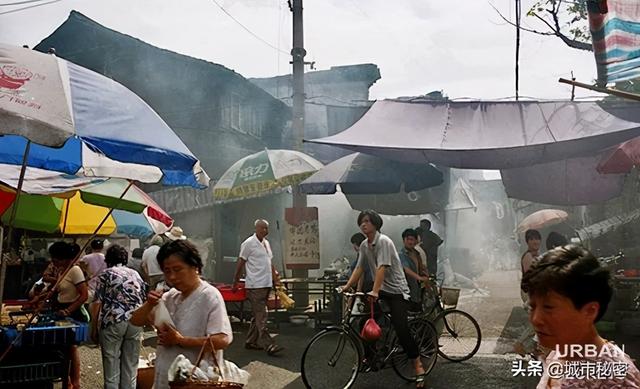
{"points": [[461, 47]]}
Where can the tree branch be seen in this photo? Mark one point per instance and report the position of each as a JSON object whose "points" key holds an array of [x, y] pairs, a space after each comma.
{"points": [[522, 28], [556, 31]]}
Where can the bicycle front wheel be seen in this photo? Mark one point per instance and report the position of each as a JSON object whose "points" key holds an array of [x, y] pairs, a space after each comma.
{"points": [[425, 336], [460, 335], [331, 360]]}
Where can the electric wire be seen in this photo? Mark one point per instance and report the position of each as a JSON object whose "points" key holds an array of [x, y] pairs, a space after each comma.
{"points": [[20, 3], [246, 28], [28, 7]]}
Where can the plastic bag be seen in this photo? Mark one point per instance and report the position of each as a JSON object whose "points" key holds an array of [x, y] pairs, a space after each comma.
{"points": [[213, 374], [371, 330], [286, 301], [180, 369], [161, 316], [229, 371]]}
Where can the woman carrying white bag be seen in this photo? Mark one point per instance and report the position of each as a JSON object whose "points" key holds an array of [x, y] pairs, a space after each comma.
{"points": [[196, 309]]}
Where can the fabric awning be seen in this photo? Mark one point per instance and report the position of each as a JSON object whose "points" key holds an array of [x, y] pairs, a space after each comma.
{"points": [[572, 181], [487, 135]]}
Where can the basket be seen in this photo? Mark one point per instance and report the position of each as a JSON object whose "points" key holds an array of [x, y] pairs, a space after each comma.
{"points": [[190, 384], [204, 385], [450, 296], [146, 376]]}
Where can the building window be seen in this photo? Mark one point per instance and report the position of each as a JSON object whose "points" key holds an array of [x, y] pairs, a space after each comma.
{"points": [[242, 118], [234, 105], [255, 128]]}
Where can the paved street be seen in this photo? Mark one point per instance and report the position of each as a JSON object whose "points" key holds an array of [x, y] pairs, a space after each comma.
{"points": [[497, 308], [486, 370]]}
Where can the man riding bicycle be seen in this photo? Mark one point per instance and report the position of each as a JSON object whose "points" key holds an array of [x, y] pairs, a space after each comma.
{"points": [[379, 253]]}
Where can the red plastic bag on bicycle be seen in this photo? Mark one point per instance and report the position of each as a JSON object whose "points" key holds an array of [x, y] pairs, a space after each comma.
{"points": [[371, 330]]}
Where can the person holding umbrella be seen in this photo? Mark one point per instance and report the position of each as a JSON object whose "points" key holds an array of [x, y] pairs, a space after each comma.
{"points": [[533, 239]]}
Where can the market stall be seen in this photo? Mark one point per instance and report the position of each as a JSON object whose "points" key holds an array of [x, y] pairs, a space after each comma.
{"points": [[40, 354]]}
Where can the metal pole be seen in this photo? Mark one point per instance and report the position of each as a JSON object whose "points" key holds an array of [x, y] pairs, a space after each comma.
{"points": [[298, 53], [66, 215], [14, 210], [518, 18], [610, 91], [3, 267]]}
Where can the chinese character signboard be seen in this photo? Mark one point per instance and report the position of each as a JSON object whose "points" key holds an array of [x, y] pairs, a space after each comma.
{"points": [[301, 238]]}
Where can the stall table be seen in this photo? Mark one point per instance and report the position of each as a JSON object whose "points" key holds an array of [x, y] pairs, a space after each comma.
{"points": [[40, 354], [233, 298], [326, 308]]}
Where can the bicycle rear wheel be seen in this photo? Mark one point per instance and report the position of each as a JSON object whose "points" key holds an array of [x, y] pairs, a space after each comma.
{"points": [[460, 335], [426, 338], [331, 360]]}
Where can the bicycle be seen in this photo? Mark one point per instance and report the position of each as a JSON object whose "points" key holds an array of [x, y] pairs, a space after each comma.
{"points": [[459, 334], [336, 355]]}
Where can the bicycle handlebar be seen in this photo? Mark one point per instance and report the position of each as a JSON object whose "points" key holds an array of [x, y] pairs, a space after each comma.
{"points": [[352, 294]]}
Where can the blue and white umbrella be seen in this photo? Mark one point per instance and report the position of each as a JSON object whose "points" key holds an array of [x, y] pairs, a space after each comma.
{"points": [[85, 124]]}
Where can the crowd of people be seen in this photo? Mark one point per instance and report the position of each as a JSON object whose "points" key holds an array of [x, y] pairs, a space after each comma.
{"points": [[118, 294], [395, 277], [565, 290]]}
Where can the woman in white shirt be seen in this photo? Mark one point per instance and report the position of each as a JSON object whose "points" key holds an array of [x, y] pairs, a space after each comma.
{"points": [[195, 307]]}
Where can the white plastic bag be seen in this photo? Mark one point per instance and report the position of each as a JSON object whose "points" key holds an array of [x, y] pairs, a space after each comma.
{"points": [[161, 316], [211, 372], [230, 371], [180, 369]]}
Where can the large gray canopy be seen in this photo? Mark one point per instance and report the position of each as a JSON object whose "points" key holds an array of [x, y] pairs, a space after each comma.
{"points": [[487, 135]]}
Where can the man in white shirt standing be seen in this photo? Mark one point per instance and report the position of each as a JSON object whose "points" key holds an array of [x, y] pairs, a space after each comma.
{"points": [[255, 259]]}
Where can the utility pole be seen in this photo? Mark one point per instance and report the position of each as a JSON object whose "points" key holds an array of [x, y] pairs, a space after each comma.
{"points": [[518, 17], [298, 53]]}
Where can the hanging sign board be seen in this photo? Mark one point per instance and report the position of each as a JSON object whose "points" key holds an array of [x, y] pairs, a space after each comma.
{"points": [[301, 238]]}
